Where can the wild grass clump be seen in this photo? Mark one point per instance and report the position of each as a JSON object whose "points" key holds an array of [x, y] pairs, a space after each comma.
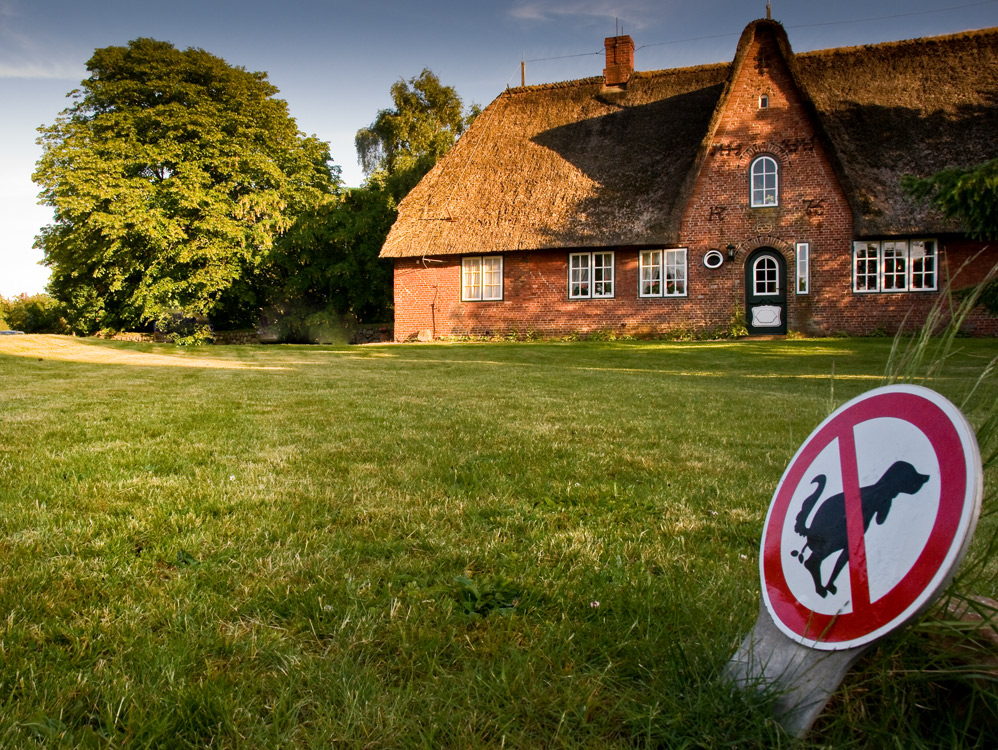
{"points": [[947, 664]]}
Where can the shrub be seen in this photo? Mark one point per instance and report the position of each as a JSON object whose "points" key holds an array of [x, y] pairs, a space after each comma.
{"points": [[34, 313]]}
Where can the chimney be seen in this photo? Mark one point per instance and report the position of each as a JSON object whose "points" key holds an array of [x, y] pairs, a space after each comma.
{"points": [[619, 60]]}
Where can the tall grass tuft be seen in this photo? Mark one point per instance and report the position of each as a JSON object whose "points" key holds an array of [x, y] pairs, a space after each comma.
{"points": [[947, 663]]}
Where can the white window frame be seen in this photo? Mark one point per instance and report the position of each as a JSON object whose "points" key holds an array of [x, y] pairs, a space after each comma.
{"points": [[772, 276], [766, 194], [587, 275], [893, 266], [481, 278], [922, 253], [803, 285], [663, 272]]}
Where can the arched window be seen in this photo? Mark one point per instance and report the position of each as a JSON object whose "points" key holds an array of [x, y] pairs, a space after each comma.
{"points": [[765, 276], [764, 176]]}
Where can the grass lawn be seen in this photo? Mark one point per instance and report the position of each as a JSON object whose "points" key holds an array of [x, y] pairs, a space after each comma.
{"points": [[524, 545]]}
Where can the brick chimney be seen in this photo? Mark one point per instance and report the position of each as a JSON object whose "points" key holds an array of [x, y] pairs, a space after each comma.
{"points": [[619, 60]]}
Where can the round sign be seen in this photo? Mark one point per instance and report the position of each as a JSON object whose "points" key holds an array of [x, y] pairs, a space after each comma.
{"points": [[871, 518]]}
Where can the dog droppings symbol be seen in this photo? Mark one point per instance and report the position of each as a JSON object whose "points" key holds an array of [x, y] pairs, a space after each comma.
{"points": [[866, 528], [869, 518], [827, 533]]}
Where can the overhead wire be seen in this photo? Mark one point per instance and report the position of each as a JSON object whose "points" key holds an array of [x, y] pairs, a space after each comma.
{"points": [[446, 203], [796, 26]]}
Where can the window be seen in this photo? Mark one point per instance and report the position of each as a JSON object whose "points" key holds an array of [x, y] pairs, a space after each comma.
{"points": [[865, 266], [922, 256], [590, 275], [663, 273], [894, 266], [803, 267], [481, 278], [764, 175], [765, 276], [763, 102]]}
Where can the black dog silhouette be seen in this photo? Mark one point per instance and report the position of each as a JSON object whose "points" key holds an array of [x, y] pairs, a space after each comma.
{"points": [[827, 535]]}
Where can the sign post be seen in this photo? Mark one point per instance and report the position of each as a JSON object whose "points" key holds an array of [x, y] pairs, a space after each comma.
{"points": [[866, 528]]}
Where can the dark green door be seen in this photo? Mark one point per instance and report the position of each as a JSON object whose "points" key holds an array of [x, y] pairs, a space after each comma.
{"points": [[766, 292]]}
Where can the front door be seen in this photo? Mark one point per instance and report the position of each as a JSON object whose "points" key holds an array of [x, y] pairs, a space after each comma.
{"points": [[766, 292]]}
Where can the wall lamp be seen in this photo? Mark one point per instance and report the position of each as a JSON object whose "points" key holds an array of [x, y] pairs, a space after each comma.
{"points": [[731, 251]]}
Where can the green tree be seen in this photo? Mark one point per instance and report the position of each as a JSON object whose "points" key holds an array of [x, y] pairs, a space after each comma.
{"points": [[327, 270], [172, 175], [971, 196], [404, 142], [32, 313]]}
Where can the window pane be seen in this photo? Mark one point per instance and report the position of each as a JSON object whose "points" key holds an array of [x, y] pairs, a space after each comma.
{"points": [[923, 265], [764, 181], [602, 274], [894, 266], [578, 275], [865, 270], [803, 270], [492, 277], [675, 272], [766, 275], [651, 273], [472, 283]]}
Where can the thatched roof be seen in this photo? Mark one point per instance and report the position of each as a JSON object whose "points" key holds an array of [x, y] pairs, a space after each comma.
{"points": [[579, 165], [912, 107]]}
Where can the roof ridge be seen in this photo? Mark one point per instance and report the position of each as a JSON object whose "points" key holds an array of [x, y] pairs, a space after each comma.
{"points": [[637, 74], [919, 40]]}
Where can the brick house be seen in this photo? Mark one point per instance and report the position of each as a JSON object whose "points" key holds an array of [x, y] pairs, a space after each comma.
{"points": [[643, 202]]}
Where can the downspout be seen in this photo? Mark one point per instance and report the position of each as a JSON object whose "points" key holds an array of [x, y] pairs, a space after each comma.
{"points": [[436, 292]]}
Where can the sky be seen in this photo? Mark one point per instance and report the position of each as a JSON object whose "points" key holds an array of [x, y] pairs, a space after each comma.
{"points": [[334, 61]]}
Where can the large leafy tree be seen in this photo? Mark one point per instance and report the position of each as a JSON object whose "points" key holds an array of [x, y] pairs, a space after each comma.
{"points": [[404, 142], [171, 175], [327, 271]]}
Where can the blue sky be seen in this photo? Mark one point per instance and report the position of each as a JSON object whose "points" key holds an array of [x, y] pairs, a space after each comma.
{"points": [[335, 61]]}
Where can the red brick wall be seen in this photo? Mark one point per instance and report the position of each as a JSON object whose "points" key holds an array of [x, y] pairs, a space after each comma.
{"points": [[535, 298], [812, 208]]}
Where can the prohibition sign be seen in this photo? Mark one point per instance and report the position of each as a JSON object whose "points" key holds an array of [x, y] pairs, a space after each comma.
{"points": [[871, 518]]}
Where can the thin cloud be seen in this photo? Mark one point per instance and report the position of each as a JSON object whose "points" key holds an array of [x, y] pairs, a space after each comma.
{"points": [[633, 13], [21, 55], [51, 71]]}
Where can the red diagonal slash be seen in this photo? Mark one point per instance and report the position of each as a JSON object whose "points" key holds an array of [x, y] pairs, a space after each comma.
{"points": [[858, 576]]}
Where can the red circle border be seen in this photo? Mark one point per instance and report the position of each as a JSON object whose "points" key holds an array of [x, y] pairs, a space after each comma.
{"points": [[936, 425]]}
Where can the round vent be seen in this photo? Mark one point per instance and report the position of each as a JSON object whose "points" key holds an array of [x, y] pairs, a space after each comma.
{"points": [[713, 259]]}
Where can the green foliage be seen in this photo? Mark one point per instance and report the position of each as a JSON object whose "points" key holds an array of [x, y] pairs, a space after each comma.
{"points": [[328, 263], [183, 329], [970, 195], [478, 599], [403, 143], [737, 324], [172, 175], [34, 313]]}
